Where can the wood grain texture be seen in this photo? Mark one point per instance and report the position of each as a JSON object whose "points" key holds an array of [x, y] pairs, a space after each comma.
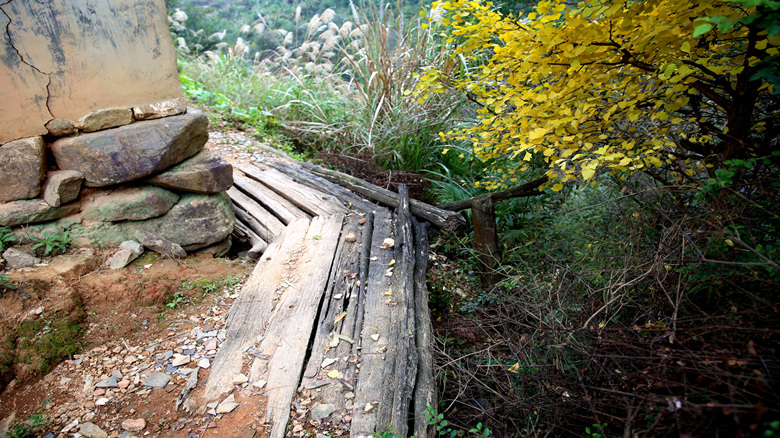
{"points": [[245, 177]]}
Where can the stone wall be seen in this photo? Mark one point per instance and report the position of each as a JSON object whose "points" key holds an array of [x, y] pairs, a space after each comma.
{"points": [[95, 136]]}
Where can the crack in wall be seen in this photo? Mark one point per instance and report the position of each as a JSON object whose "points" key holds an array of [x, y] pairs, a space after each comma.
{"points": [[21, 58]]}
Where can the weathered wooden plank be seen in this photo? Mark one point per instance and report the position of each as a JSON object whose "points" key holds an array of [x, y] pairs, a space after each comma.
{"points": [[266, 225], [401, 373], [282, 208], [444, 219], [314, 202], [425, 388], [317, 182], [251, 312], [335, 331], [375, 338], [290, 327], [242, 231]]}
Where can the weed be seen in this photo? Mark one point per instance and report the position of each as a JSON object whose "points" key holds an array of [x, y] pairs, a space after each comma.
{"points": [[176, 300], [6, 235], [5, 284], [52, 243]]}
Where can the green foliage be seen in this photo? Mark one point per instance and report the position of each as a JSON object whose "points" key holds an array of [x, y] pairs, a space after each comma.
{"points": [[5, 283], [177, 299], [31, 426], [6, 235], [52, 243]]}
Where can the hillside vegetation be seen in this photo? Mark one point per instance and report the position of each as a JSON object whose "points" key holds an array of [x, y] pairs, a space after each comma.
{"points": [[637, 292]]}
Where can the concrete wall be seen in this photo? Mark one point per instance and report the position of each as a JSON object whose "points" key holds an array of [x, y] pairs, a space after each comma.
{"points": [[64, 59]]}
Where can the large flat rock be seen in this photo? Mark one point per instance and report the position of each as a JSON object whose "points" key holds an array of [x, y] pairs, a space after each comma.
{"points": [[195, 222], [30, 211], [133, 203], [135, 151], [22, 168], [203, 173]]}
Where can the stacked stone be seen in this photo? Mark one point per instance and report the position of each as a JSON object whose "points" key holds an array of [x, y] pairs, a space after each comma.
{"points": [[122, 174]]}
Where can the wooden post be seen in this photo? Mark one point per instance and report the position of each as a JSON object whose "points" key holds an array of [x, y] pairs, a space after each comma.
{"points": [[483, 216]]}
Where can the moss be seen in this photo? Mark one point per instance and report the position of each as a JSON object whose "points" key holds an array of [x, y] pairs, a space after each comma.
{"points": [[43, 343]]}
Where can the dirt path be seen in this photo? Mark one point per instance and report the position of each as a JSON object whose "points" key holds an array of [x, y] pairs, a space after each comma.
{"points": [[154, 315]]}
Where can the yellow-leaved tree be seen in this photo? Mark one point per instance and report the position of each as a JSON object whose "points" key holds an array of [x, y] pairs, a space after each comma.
{"points": [[611, 86]]}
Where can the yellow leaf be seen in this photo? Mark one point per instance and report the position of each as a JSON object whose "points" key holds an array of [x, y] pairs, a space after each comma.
{"points": [[557, 187], [527, 156], [685, 47], [588, 172], [537, 134], [334, 374]]}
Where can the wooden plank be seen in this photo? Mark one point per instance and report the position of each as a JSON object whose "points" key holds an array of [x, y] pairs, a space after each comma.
{"points": [[444, 219], [266, 225], [425, 388], [317, 182], [378, 336], [314, 202], [336, 325], [251, 312], [291, 324], [285, 210]]}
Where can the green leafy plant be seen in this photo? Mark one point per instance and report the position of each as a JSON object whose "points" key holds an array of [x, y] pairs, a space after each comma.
{"points": [[52, 243], [5, 283], [6, 235], [597, 431], [176, 300]]}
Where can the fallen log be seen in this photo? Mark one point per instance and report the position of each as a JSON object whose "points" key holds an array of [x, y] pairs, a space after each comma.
{"points": [[444, 219], [247, 210], [243, 232], [425, 387]]}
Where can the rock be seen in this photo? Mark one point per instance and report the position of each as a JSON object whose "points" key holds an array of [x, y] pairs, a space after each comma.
{"points": [[17, 259], [2, 263], [179, 360], [162, 246], [61, 128], [92, 430], [327, 362], [240, 379], [122, 258], [211, 345], [22, 168], [134, 203], [197, 221], [69, 266], [204, 363], [314, 384], [70, 426], [135, 151], [132, 245], [81, 243], [117, 374], [166, 108], [105, 119], [320, 411], [32, 211], [134, 424], [218, 249], [259, 384], [227, 405], [107, 383], [204, 173], [62, 187], [102, 401], [157, 380]]}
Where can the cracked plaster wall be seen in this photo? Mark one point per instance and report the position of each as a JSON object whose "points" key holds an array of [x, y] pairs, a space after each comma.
{"points": [[66, 59]]}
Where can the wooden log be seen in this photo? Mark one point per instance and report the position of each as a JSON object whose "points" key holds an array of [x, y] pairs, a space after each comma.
{"points": [[441, 218], [314, 202], [389, 356], [376, 323], [266, 225], [315, 181], [425, 387], [285, 210], [242, 231], [523, 190], [483, 215]]}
